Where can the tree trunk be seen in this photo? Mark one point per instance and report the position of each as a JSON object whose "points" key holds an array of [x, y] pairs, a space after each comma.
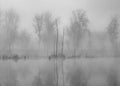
{"points": [[74, 54], [9, 50], [62, 50], [116, 52]]}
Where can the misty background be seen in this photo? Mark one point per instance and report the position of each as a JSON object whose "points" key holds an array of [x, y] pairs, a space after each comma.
{"points": [[38, 28], [62, 29]]}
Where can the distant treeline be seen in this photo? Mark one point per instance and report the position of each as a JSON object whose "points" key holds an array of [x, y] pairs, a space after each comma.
{"points": [[50, 39]]}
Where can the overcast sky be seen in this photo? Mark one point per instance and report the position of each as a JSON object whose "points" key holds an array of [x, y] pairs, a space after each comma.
{"points": [[98, 11]]}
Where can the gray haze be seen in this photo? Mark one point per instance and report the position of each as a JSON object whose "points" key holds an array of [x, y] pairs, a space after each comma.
{"points": [[98, 11], [80, 49]]}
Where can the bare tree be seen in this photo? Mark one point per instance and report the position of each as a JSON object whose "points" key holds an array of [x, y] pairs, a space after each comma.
{"points": [[2, 37], [63, 38], [49, 36], [113, 33], [79, 23], [57, 36], [11, 26], [38, 25], [89, 47], [0, 17], [23, 40], [45, 29]]}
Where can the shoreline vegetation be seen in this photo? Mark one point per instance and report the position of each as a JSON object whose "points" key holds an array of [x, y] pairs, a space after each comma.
{"points": [[50, 40]]}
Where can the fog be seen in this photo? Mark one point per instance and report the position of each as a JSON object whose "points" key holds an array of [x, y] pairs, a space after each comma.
{"points": [[59, 43]]}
